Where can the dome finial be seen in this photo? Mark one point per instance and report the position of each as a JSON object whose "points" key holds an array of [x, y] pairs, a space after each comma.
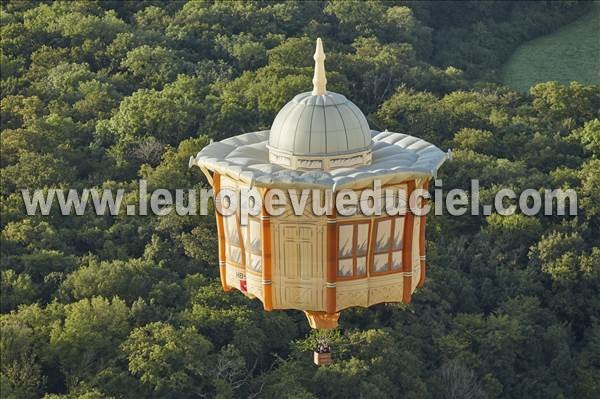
{"points": [[319, 79]]}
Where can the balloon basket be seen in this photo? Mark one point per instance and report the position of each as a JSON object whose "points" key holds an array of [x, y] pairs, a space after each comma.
{"points": [[322, 359], [322, 353]]}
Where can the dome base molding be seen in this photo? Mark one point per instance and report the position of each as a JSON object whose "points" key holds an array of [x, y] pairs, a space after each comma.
{"points": [[322, 163]]}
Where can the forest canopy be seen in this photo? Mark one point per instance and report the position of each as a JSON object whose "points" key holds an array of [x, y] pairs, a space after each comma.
{"points": [[103, 93]]}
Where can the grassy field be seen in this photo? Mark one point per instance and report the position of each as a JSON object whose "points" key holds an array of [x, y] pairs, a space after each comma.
{"points": [[571, 53]]}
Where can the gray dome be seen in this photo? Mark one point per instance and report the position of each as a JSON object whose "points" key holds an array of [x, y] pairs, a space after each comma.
{"points": [[320, 129], [320, 125]]}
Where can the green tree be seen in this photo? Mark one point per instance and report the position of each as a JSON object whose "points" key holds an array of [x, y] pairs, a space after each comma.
{"points": [[87, 340], [153, 67], [173, 362], [16, 289], [21, 374]]}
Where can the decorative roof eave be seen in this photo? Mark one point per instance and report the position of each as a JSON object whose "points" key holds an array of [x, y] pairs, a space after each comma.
{"points": [[396, 157]]}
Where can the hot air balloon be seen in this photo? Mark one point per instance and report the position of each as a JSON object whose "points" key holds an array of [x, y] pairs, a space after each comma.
{"points": [[321, 263]]}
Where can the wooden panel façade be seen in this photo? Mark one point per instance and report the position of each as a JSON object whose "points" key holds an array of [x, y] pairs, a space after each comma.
{"points": [[298, 266]]}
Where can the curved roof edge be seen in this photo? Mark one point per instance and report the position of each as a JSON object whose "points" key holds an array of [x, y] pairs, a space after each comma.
{"points": [[396, 157]]}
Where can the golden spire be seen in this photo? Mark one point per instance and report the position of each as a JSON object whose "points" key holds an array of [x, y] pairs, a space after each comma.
{"points": [[319, 79]]}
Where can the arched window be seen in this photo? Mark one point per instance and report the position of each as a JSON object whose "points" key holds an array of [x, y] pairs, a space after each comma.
{"points": [[252, 244], [353, 240], [387, 245], [232, 239], [244, 240]]}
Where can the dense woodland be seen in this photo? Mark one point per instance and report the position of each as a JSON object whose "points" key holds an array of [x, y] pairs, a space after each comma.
{"points": [[100, 94]]}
